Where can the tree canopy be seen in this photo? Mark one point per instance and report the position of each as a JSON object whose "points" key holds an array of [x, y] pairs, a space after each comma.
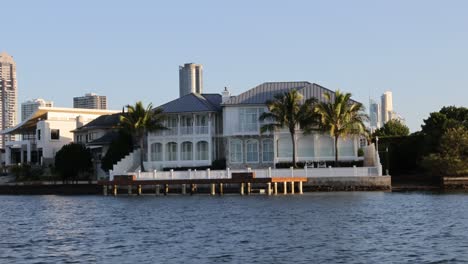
{"points": [[288, 110], [391, 129], [341, 117], [138, 121], [73, 160]]}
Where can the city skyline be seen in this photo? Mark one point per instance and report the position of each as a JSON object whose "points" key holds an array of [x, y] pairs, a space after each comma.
{"points": [[359, 48]]}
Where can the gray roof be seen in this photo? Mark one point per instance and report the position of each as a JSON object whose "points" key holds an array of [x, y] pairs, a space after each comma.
{"points": [[266, 91], [194, 103], [104, 121]]}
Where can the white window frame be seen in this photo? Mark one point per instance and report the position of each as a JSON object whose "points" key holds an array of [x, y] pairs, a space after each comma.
{"points": [[186, 154], [272, 150], [248, 151], [233, 151], [200, 154]]}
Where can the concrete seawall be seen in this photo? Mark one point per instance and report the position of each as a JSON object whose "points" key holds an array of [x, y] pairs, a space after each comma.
{"points": [[351, 183]]}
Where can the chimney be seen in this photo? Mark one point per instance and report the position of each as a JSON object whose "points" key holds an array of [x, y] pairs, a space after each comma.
{"points": [[226, 95], [79, 121]]}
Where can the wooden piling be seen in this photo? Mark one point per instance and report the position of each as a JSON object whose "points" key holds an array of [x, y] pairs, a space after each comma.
{"points": [[276, 188], [139, 190], [300, 188], [249, 188], [285, 188], [292, 187], [184, 187], [269, 188], [114, 190], [221, 191], [166, 189], [104, 189], [129, 189], [213, 189], [242, 188], [158, 189]]}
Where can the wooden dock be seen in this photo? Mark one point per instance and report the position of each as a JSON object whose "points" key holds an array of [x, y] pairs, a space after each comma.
{"points": [[244, 182]]}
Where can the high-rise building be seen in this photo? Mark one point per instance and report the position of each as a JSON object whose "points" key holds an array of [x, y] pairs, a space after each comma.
{"points": [[374, 114], [8, 95], [90, 101], [190, 79], [29, 107], [387, 107]]}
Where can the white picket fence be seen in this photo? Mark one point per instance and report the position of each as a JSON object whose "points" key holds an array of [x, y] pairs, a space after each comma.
{"points": [[259, 173]]}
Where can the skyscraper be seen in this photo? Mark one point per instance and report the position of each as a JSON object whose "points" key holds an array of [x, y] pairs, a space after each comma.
{"points": [[8, 95], [387, 107], [29, 107], [90, 101], [190, 79], [374, 114]]}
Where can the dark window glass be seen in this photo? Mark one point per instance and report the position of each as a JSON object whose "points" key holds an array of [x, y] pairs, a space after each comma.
{"points": [[54, 134]]}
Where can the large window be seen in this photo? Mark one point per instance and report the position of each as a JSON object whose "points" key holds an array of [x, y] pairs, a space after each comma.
{"points": [[252, 150], [156, 152], [284, 147], [186, 126], [172, 125], [235, 150], [171, 151], [248, 119], [305, 145], [187, 150], [55, 134], [202, 150], [201, 124], [267, 148]]}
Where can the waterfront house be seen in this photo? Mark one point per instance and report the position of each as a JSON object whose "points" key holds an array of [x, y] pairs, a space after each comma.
{"points": [[193, 137], [45, 132], [248, 148]]}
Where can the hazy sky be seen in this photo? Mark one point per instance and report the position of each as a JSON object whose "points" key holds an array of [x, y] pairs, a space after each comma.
{"points": [[131, 50]]}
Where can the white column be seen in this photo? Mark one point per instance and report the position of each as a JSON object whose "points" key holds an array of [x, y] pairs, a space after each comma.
{"points": [[7, 155], [210, 147], [21, 154], [28, 151]]}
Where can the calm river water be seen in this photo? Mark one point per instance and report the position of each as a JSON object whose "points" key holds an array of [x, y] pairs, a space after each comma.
{"points": [[347, 227]]}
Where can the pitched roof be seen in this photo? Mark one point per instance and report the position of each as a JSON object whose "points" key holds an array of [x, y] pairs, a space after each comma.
{"points": [[193, 103], [105, 139], [104, 121], [266, 91]]}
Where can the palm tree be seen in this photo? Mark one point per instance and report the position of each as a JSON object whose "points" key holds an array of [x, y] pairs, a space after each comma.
{"points": [[287, 110], [138, 121], [341, 117]]}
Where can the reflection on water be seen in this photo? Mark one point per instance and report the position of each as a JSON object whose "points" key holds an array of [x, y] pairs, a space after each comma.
{"points": [[317, 227]]}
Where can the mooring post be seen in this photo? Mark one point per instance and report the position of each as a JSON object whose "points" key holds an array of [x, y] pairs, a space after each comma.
{"points": [[139, 189], [158, 189], [242, 188], [129, 189], [104, 190], [276, 188], [249, 188], [213, 189], [192, 189], [269, 188], [300, 187], [285, 188], [115, 190], [166, 189], [184, 191], [292, 187], [221, 191]]}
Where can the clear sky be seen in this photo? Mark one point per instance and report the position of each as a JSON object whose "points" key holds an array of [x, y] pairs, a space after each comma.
{"points": [[131, 50]]}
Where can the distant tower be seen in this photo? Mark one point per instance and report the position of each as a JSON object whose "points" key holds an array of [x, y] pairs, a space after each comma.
{"points": [[29, 107], [90, 101], [374, 114], [8, 95], [190, 79], [387, 107]]}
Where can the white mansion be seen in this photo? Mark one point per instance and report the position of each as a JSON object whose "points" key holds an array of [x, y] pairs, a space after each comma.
{"points": [[204, 128]]}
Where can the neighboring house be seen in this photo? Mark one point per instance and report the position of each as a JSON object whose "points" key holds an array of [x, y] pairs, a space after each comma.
{"points": [[246, 147], [193, 137], [98, 134], [45, 132]]}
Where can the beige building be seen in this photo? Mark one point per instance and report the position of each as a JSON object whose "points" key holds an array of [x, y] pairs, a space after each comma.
{"points": [[90, 101], [29, 107], [386, 107], [8, 95], [190, 79]]}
